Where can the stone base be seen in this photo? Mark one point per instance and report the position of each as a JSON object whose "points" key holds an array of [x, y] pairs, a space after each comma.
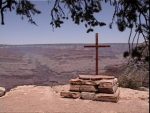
{"points": [[94, 87], [92, 96], [68, 94]]}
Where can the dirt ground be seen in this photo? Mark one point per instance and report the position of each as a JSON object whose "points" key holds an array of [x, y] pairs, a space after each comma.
{"points": [[44, 99]]}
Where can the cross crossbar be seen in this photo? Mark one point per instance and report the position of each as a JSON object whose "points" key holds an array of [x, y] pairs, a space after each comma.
{"points": [[97, 46]]}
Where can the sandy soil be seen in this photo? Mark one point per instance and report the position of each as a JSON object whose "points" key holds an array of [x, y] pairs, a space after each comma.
{"points": [[45, 99]]}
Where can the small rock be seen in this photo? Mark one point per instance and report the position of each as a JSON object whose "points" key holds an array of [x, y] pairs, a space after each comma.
{"points": [[143, 98], [2, 91], [143, 89]]}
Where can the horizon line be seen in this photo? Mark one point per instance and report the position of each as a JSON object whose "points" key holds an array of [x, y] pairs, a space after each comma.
{"points": [[60, 44]]}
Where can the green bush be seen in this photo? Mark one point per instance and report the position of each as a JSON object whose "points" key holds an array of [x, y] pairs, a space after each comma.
{"points": [[129, 83]]}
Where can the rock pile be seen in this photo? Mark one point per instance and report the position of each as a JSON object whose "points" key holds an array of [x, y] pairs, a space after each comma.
{"points": [[93, 87]]}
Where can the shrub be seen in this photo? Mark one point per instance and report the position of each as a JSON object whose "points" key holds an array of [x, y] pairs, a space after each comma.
{"points": [[129, 83]]}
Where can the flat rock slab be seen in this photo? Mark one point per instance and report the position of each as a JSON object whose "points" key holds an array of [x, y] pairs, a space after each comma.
{"points": [[107, 97], [95, 77], [107, 83], [78, 81], [83, 88], [109, 90], [2, 91], [87, 95], [68, 94]]}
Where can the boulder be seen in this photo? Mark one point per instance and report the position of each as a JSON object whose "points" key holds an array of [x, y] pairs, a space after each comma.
{"points": [[107, 97], [83, 88], [68, 94], [87, 95], [95, 77], [2, 91]]}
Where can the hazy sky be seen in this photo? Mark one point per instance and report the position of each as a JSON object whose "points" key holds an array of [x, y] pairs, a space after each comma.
{"points": [[17, 31]]}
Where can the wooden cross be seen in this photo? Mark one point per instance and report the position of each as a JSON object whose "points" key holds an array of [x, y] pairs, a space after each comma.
{"points": [[96, 47]]}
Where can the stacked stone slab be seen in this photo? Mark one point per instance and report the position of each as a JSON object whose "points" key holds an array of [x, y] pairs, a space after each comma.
{"points": [[93, 87]]}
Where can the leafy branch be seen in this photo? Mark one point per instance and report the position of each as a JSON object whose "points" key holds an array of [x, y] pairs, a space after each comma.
{"points": [[23, 8]]}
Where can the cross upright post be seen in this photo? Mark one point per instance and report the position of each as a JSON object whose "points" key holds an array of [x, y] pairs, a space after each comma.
{"points": [[96, 54], [96, 46]]}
